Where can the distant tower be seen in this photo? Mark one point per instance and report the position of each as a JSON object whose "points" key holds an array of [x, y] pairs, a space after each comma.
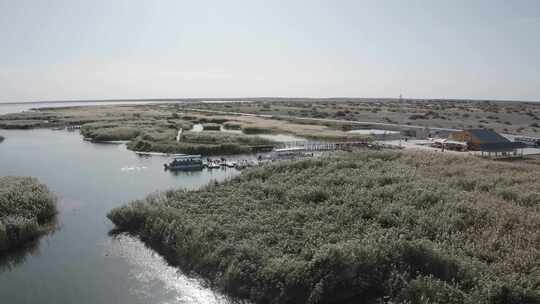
{"points": [[402, 114]]}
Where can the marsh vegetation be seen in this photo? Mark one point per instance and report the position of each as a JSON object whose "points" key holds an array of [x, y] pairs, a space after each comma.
{"points": [[26, 210], [385, 227], [205, 143], [154, 128], [502, 116]]}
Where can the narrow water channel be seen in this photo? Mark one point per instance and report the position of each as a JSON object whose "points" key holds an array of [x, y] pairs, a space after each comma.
{"points": [[81, 262]]}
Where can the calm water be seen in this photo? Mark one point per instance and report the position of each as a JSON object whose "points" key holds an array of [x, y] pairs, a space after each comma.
{"points": [[80, 262], [24, 106]]}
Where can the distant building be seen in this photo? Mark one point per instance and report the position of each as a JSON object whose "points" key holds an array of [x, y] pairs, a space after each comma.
{"points": [[488, 141]]}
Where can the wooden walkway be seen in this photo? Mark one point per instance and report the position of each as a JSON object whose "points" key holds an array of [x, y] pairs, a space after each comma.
{"points": [[320, 145], [312, 146]]}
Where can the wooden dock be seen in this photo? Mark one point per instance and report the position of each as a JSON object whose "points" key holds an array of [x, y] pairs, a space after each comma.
{"points": [[73, 127], [308, 146], [313, 146]]}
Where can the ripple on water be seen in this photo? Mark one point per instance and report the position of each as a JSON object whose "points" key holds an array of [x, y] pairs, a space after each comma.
{"points": [[152, 271], [133, 168]]}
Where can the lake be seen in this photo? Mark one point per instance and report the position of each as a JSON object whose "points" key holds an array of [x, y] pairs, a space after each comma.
{"points": [[80, 262], [25, 106]]}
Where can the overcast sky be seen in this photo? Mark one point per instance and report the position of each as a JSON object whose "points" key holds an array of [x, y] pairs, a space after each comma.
{"points": [[60, 50]]}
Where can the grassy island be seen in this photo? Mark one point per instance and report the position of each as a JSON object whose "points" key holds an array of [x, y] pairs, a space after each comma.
{"points": [[205, 143], [384, 227], [26, 210]]}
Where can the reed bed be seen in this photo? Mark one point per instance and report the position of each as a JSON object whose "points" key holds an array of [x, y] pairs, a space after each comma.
{"points": [[373, 227], [109, 133], [204, 143], [26, 210]]}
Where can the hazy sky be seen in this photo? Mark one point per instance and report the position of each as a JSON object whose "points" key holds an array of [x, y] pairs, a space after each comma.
{"points": [[55, 50]]}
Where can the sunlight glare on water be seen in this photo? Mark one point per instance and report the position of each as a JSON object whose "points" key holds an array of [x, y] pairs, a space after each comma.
{"points": [[150, 269]]}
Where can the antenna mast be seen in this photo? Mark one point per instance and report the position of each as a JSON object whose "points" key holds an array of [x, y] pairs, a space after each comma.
{"points": [[400, 122]]}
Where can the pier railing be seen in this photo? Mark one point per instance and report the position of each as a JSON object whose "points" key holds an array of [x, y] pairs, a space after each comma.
{"points": [[321, 145]]}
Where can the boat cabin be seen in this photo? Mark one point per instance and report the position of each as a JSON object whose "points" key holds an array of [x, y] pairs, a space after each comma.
{"points": [[185, 162]]}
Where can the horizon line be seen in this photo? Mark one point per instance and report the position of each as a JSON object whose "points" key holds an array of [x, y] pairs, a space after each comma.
{"points": [[259, 98]]}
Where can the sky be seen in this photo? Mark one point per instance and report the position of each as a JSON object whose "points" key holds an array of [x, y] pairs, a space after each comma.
{"points": [[113, 49]]}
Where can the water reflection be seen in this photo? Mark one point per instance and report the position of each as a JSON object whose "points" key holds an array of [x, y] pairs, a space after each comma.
{"points": [[147, 267], [11, 258]]}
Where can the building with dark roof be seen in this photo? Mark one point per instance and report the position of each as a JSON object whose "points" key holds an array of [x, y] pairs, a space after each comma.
{"points": [[487, 141]]}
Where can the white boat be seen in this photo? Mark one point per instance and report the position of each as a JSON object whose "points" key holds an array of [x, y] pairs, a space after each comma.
{"points": [[213, 165]]}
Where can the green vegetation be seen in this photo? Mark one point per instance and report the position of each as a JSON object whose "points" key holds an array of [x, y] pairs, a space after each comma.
{"points": [[100, 131], [26, 210], [384, 227], [23, 124], [153, 128], [161, 137], [211, 127], [29, 120], [204, 143], [211, 120], [188, 148], [255, 130], [232, 126], [148, 128]]}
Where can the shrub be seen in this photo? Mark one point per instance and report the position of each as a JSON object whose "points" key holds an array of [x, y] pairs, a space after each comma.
{"points": [[212, 120], [255, 130], [26, 207], [205, 143], [211, 127], [232, 126], [109, 131], [188, 148]]}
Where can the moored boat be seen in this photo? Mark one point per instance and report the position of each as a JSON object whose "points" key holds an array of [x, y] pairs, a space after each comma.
{"points": [[185, 163]]}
